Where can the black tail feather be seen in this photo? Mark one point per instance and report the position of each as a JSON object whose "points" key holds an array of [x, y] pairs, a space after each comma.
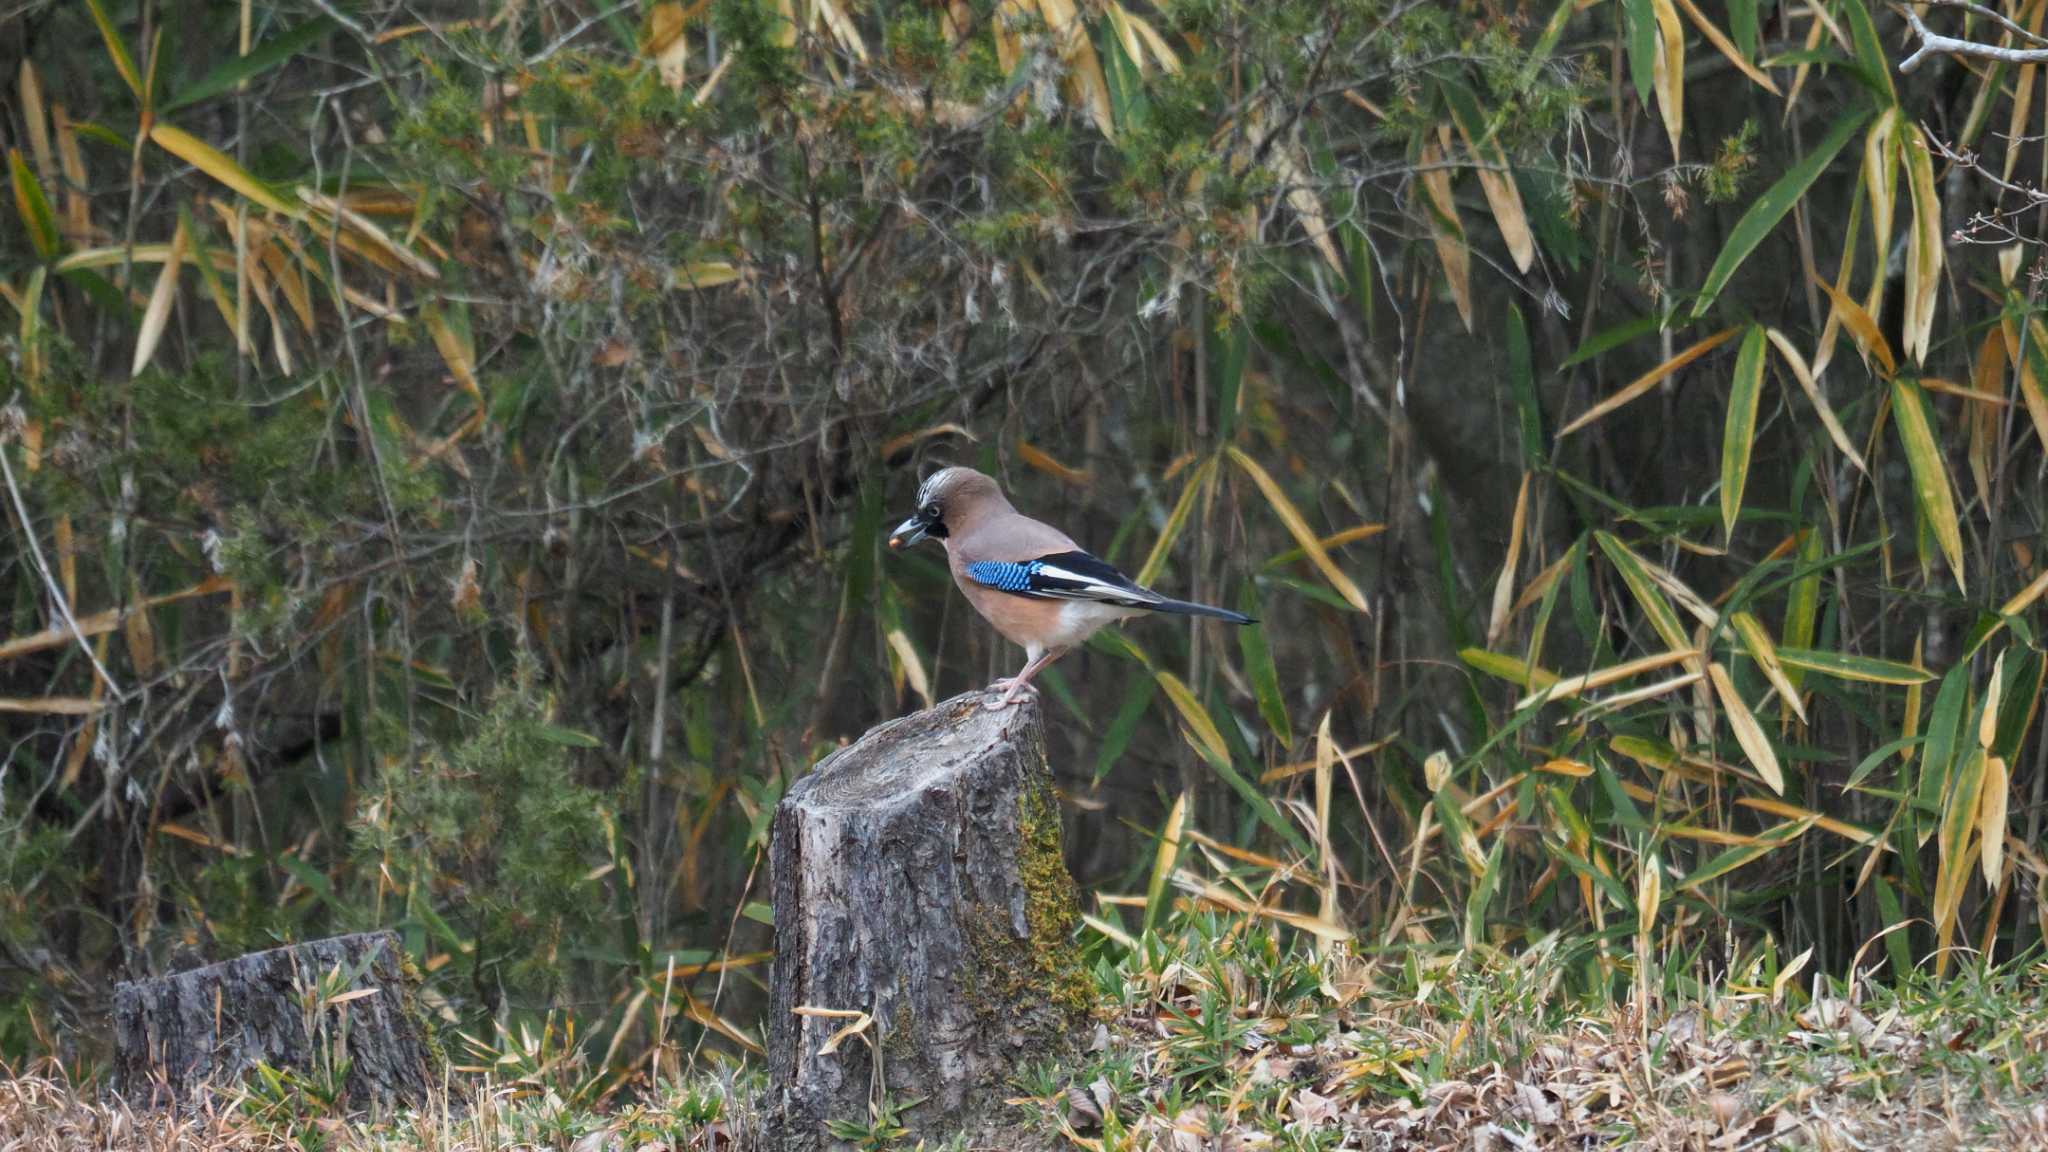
{"points": [[1188, 608]]}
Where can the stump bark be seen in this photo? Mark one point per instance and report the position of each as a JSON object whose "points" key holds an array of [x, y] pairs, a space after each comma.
{"points": [[918, 879], [179, 1037]]}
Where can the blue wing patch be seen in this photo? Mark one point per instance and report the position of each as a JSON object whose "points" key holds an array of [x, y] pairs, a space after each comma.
{"points": [[1003, 575]]}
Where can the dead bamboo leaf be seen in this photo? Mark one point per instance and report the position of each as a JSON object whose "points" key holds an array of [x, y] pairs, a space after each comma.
{"points": [[158, 314], [1748, 732], [1504, 585], [1796, 364], [1451, 252], [1648, 380], [1298, 527]]}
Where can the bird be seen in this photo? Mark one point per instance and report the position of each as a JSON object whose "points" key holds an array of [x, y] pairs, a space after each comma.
{"points": [[1025, 577]]}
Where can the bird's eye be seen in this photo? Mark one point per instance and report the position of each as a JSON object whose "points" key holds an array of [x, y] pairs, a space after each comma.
{"points": [[931, 511]]}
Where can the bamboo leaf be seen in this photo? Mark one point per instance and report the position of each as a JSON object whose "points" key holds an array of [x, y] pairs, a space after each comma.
{"points": [[1991, 818], [1768, 209], [1758, 643], [1299, 529], [1496, 178], [1165, 859], [158, 314], [1923, 249], [1738, 433], [218, 165], [1265, 678], [33, 207], [1176, 520], [1843, 666], [1748, 732], [1930, 474], [1869, 339], [1648, 595], [259, 60], [124, 64], [1648, 380], [1796, 365], [1667, 70]]}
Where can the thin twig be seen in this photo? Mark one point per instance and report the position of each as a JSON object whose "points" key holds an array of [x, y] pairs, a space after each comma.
{"points": [[35, 550]]}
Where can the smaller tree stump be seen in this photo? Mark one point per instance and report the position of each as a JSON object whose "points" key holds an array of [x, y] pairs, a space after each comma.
{"points": [[178, 1037], [918, 879]]}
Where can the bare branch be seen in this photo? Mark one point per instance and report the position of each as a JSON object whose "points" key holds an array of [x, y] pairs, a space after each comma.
{"points": [[1934, 44]]}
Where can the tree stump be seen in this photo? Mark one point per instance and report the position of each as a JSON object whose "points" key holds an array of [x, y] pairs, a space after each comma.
{"points": [[918, 880], [178, 1037]]}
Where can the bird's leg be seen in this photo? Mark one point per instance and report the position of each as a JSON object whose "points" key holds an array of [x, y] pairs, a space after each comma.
{"points": [[1021, 682]]}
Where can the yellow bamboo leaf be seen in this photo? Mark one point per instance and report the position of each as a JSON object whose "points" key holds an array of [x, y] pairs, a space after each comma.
{"points": [[221, 167], [913, 667], [1880, 177], [158, 314], [1726, 47], [1299, 529], [1201, 729], [1442, 211], [1991, 818], [2025, 597], [2030, 385], [362, 226], [1648, 380], [1176, 520], [1649, 893], [1748, 732], [1168, 855], [2022, 97], [1085, 80], [457, 351], [1043, 461], [1503, 198], [1923, 249], [842, 28], [1571, 686], [1504, 585], [1796, 364], [30, 88], [1290, 165], [1930, 473], [77, 191], [51, 705], [1987, 719], [1765, 653], [1870, 340], [1667, 72]]}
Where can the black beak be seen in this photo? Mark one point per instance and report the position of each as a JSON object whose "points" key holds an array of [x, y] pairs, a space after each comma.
{"points": [[909, 532]]}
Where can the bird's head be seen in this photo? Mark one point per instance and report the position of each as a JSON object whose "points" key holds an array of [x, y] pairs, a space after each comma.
{"points": [[946, 500]]}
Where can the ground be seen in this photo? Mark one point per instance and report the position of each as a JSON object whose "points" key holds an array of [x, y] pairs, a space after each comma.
{"points": [[1222, 1037]]}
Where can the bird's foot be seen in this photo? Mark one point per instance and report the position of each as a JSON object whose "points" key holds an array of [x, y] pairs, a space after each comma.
{"points": [[1012, 689]]}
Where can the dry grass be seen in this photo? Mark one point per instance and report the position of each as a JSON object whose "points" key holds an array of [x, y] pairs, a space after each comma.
{"points": [[1223, 1038]]}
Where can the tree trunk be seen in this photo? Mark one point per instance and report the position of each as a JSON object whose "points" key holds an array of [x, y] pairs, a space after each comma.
{"points": [[337, 1012], [919, 882]]}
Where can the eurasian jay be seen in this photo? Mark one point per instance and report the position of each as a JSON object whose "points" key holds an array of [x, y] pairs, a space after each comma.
{"points": [[1026, 577]]}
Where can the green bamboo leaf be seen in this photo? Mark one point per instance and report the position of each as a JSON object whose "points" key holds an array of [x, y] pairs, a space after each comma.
{"points": [[1802, 601], [1258, 664], [1871, 58], [34, 208], [1137, 699], [1522, 376], [1742, 26], [1944, 734], [1642, 46], [117, 51], [1738, 435], [1743, 854], [1644, 587], [1930, 473], [1763, 215], [1610, 338], [260, 60], [1843, 666], [1175, 521]]}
